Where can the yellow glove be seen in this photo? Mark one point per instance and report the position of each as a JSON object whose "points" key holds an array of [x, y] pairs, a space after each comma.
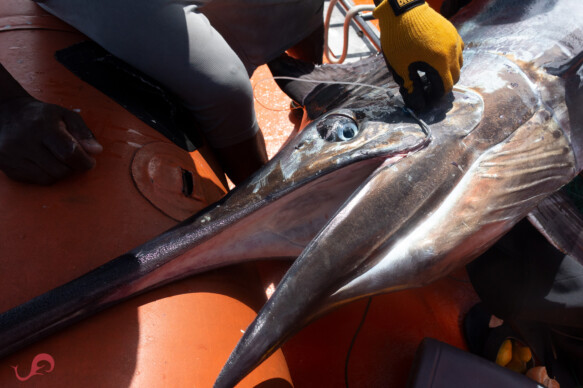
{"points": [[416, 38]]}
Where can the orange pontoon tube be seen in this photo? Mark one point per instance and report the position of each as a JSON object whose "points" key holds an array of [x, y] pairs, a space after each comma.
{"points": [[179, 335]]}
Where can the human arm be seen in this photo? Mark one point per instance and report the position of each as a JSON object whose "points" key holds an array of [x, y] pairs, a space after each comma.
{"points": [[39, 142], [415, 38]]}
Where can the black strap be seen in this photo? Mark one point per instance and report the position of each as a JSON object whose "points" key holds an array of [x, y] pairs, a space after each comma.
{"points": [[141, 95], [401, 6]]}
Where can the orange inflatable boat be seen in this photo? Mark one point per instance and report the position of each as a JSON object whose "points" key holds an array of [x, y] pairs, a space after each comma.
{"points": [[51, 235], [181, 334]]}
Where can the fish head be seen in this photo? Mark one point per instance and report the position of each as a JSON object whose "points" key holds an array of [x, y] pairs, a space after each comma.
{"points": [[355, 114]]}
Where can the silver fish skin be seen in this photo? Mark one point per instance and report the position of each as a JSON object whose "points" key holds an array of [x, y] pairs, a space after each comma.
{"points": [[273, 215], [413, 222]]}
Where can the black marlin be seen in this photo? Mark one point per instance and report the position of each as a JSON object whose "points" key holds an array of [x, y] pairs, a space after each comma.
{"points": [[414, 221], [273, 215]]}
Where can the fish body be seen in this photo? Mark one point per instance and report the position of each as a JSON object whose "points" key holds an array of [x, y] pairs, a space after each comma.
{"points": [[414, 221]]}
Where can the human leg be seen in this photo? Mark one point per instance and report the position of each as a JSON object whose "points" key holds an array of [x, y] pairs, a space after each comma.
{"points": [[176, 45], [538, 291], [243, 159], [310, 49], [523, 276]]}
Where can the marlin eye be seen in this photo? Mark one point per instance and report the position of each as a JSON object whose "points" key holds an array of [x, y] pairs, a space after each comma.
{"points": [[347, 131], [338, 128]]}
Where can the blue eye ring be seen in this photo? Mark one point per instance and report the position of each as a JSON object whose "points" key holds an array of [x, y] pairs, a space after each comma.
{"points": [[338, 127], [348, 131]]}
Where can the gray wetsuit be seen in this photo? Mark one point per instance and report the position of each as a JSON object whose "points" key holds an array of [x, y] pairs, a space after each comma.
{"points": [[203, 50]]}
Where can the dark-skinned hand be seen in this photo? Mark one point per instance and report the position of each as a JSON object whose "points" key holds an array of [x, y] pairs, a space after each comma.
{"points": [[42, 143]]}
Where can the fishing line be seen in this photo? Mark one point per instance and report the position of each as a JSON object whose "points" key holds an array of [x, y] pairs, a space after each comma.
{"points": [[384, 90], [407, 110], [354, 340]]}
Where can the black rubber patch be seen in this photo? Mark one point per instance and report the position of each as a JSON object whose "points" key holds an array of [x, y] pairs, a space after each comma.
{"points": [[401, 6], [566, 68], [138, 93], [574, 190]]}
